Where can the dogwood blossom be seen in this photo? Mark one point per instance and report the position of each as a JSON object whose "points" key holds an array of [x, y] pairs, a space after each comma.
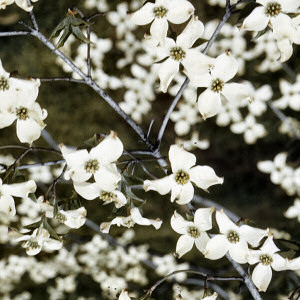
{"points": [[233, 239], [162, 11], [21, 3], [18, 103], [39, 239], [222, 70], [180, 181], [7, 191], [192, 232], [92, 191], [135, 217], [180, 52], [267, 259], [99, 162]]}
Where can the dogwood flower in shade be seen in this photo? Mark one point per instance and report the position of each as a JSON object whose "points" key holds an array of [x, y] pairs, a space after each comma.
{"points": [[39, 239], [99, 162], [180, 52], [267, 259], [294, 210], [180, 181], [162, 11], [91, 191], [135, 217], [7, 191], [234, 239], [192, 232], [224, 69]]}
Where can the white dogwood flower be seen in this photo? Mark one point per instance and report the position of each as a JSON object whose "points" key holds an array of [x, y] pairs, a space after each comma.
{"points": [[162, 11], [294, 210], [270, 12], [192, 232], [91, 191], [267, 259], [180, 52], [135, 217], [180, 181], [233, 239], [18, 103], [99, 162], [39, 239], [223, 69], [7, 191], [21, 3]]}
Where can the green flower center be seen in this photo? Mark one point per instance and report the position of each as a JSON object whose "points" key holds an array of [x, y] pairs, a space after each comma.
{"points": [[265, 259], [194, 232], [92, 166], [182, 177], [22, 113], [159, 11], [233, 237], [3, 84], [273, 9], [60, 218], [177, 53], [129, 223], [217, 85], [107, 196], [33, 244]]}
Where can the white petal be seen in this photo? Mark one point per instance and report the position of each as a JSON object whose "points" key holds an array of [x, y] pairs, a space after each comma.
{"points": [[238, 251], [285, 47], [19, 189], [7, 205], [159, 29], [279, 263], [166, 72], [109, 150], [120, 199], [236, 92], [225, 67], [184, 244], [209, 103], [204, 177], [192, 32], [179, 224], [185, 195], [86, 190], [216, 247], [224, 223], [252, 235], [203, 218], [269, 247], [201, 242], [179, 11], [162, 186], [266, 166], [51, 244], [257, 20], [75, 218], [261, 277], [107, 177], [144, 15], [181, 159], [137, 217], [28, 130]]}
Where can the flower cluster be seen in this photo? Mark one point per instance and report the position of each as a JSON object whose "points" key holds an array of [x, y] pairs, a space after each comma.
{"points": [[285, 29]]}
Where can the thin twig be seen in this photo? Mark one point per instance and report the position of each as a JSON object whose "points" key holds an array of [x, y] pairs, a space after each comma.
{"points": [[30, 148], [32, 17], [211, 278], [41, 164], [15, 33], [61, 79]]}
